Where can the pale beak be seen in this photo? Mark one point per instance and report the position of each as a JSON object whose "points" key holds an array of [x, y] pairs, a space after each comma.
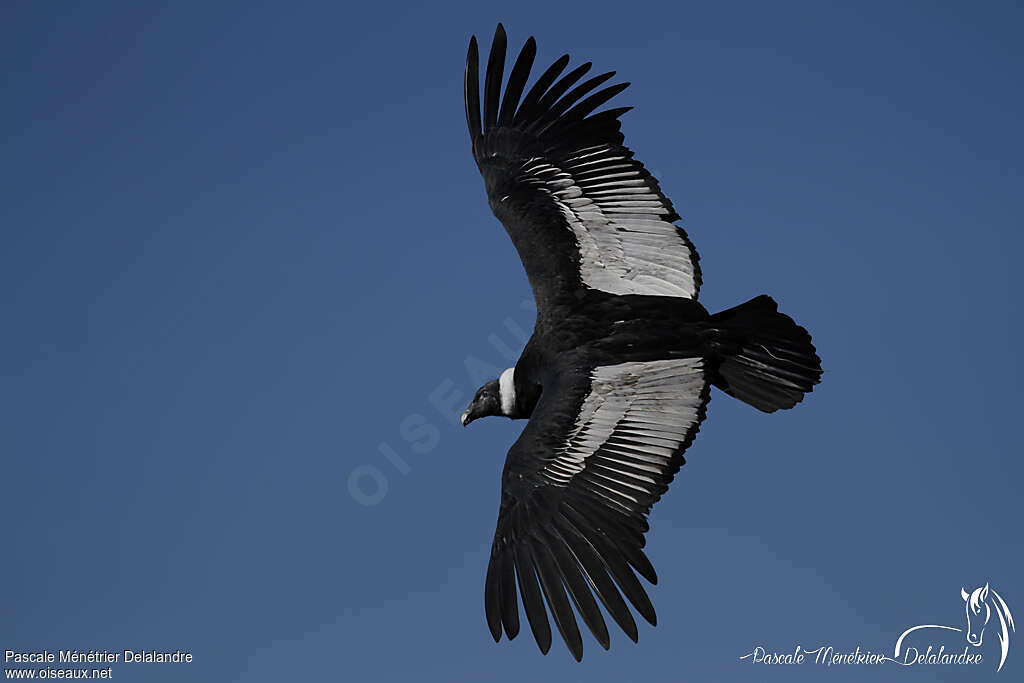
{"points": [[465, 417]]}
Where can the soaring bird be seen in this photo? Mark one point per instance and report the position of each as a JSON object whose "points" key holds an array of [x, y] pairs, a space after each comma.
{"points": [[616, 378]]}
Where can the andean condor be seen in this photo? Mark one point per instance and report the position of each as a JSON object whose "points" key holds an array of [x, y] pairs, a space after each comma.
{"points": [[616, 378]]}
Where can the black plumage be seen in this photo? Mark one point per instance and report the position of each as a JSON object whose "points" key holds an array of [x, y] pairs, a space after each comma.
{"points": [[616, 378]]}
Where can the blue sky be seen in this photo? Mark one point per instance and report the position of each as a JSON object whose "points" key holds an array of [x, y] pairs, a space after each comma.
{"points": [[246, 252]]}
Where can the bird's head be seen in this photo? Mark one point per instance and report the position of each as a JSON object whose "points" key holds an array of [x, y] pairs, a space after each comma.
{"points": [[497, 397]]}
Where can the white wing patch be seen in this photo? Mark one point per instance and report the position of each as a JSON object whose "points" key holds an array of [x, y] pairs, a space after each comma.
{"points": [[632, 423], [627, 244]]}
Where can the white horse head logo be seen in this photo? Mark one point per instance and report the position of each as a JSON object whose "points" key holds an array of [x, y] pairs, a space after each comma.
{"points": [[979, 605]]}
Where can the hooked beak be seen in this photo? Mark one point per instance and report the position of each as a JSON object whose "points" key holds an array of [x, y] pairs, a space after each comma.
{"points": [[466, 419]]}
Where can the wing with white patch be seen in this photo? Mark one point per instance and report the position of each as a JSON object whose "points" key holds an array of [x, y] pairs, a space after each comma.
{"points": [[577, 487], [578, 207]]}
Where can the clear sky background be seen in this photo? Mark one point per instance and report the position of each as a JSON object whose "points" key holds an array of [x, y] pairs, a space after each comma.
{"points": [[246, 253]]}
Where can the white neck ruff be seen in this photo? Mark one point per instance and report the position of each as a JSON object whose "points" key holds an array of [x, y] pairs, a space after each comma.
{"points": [[507, 391]]}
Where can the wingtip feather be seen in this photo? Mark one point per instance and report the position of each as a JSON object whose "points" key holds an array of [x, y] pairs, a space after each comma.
{"points": [[492, 81], [471, 89], [517, 82]]}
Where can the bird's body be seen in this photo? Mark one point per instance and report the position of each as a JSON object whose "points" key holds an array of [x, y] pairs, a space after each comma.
{"points": [[601, 329], [616, 377]]}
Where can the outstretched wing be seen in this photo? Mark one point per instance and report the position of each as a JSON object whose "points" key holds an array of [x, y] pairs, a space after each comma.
{"points": [[578, 207], [598, 452]]}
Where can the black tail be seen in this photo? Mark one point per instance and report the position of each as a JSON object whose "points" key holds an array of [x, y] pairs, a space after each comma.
{"points": [[763, 357]]}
